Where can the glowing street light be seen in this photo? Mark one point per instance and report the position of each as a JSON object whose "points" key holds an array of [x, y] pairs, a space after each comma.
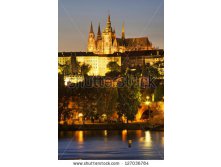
{"points": [[80, 115], [147, 102]]}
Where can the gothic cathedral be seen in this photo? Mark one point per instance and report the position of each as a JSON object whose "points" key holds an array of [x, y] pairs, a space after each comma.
{"points": [[108, 43]]}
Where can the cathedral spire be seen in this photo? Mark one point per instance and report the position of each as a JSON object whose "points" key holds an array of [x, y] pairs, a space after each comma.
{"points": [[108, 26], [108, 18], [123, 32], [99, 32], [91, 29]]}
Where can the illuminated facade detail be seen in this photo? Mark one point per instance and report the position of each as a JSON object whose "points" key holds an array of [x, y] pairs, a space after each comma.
{"points": [[108, 43], [91, 40], [64, 60], [73, 79], [152, 60], [98, 63]]}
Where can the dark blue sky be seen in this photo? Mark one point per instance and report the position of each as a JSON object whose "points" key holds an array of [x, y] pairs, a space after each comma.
{"points": [[141, 17]]}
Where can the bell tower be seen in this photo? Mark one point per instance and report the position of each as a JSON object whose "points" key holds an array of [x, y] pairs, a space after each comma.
{"points": [[123, 31]]}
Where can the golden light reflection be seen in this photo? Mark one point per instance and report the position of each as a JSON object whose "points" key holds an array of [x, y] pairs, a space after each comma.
{"points": [[79, 136], [124, 135], [139, 133], [105, 133], [148, 141]]}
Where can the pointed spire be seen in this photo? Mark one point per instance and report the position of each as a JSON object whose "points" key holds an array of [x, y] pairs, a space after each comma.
{"points": [[91, 29], [99, 32], [108, 26], [123, 32], [108, 20]]}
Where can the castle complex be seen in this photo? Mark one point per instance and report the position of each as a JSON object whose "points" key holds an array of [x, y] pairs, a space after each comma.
{"points": [[106, 47], [108, 43]]}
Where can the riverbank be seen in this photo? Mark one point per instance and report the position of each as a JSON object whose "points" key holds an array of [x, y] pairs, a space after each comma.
{"points": [[112, 126]]}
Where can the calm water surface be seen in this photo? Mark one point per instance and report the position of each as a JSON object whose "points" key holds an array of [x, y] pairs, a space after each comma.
{"points": [[104, 144]]}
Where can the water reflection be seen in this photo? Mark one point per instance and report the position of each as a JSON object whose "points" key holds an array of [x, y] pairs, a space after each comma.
{"points": [[106, 144], [148, 141], [79, 135], [139, 133], [124, 135], [105, 132]]}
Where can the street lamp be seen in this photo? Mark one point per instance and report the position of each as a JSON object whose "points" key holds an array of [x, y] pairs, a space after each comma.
{"points": [[147, 102], [80, 117]]}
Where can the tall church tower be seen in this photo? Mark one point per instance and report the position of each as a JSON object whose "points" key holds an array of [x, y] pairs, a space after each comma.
{"points": [[91, 40], [107, 37], [123, 32], [122, 48]]}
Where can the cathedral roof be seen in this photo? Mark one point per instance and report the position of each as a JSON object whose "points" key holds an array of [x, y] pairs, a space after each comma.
{"points": [[134, 42], [149, 53]]}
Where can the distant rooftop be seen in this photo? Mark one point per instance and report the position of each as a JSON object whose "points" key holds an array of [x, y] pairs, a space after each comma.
{"points": [[159, 52]]}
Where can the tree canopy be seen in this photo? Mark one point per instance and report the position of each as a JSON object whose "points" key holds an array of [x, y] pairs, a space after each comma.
{"points": [[129, 98], [113, 66], [85, 68]]}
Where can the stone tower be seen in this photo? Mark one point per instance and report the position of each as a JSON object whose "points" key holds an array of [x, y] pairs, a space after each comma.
{"points": [[91, 40], [122, 47], [107, 37], [123, 32]]}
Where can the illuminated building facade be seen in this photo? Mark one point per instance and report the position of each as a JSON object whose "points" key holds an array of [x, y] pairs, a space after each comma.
{"points": [[63, 60], [98, 63], [73, 79]]}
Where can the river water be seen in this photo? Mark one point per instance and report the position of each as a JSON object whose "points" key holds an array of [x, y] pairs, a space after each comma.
{"points": [[111, 145]]}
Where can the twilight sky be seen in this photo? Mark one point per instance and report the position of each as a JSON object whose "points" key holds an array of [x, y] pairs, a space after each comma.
{"points": [[141, 18]]}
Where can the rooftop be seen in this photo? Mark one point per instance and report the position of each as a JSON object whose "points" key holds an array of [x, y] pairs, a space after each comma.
{"points": [[158, 52]]}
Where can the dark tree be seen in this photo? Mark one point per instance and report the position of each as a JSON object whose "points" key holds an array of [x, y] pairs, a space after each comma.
{"points": [[159, 92], [113, 66], [85, 68], [129, 98]]}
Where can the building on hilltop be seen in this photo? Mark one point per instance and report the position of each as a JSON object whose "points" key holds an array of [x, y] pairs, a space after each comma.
{"points": [[98, 62], [107, 42]]}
